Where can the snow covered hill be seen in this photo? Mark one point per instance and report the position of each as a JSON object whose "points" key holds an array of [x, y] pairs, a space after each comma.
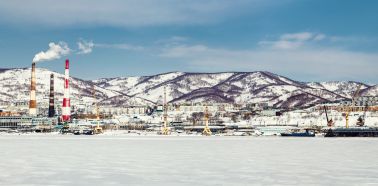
{"points": [[232, 87], [229, 87]]}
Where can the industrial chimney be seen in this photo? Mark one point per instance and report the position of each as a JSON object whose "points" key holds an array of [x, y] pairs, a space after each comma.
{"points": [[33, 102], [51, 102], [66, 109]]}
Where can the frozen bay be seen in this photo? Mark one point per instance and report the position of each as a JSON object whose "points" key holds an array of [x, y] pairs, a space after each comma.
{"points": [[169, 160]]}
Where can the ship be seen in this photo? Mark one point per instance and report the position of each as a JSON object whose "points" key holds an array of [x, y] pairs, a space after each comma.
{"points": [[300, 133], [351, 132]]}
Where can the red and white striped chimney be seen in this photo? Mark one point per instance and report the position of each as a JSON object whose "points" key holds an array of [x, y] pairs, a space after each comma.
{"points": [[66, 109]]}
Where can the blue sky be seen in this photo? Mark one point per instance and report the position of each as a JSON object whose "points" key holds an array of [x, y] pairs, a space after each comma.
{"points": [[306, 40]]}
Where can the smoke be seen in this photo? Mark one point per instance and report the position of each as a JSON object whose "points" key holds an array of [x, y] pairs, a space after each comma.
{"points": [[55, 51], [85, 47]]}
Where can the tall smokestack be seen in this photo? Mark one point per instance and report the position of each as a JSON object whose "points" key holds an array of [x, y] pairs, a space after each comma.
{"points": [[66, 109], [51, 103], [33, 102]]}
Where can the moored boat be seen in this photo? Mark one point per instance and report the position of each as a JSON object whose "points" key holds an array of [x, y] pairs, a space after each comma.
{"points": [[301, 133], [351, 132]]}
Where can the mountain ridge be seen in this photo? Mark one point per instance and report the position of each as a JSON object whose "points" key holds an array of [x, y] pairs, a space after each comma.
{"points": [[230, 87]]}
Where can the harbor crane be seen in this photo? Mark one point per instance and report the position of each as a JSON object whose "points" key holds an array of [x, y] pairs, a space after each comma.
{"points": [[361, 119], [349, 108], [330, 122], [165, 129], [206, 130]]}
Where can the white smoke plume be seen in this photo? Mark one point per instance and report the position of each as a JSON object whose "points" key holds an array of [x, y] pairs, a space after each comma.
{"points": [[85, 47], [55, 51]]}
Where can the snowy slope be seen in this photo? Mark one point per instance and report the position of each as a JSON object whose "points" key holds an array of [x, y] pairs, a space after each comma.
{"points": [[239, 87], [343, 88], [370, 91], [230, 87]]}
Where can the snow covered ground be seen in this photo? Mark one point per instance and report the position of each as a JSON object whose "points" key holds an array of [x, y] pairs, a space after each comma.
{"points": [[168, 160]]}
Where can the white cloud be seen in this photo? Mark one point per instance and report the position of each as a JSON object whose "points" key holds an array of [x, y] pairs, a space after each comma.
{"points": [[55, 51], [178, 38], [85, 47], [302, 36], [123, 46], [319, 37], [294, 40], [174, 40], [325, 63], [281, 44], [124, 13], [184, 51]]}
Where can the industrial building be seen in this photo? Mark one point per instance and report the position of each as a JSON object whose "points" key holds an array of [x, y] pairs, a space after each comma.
{"points": [[16, 122]]}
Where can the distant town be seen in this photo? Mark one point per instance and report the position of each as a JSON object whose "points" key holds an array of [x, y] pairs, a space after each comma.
{"points": [[204, 111]]}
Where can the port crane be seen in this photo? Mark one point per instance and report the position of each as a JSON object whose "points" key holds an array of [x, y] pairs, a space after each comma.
{"points": [[165, 129], [330, 122], [361, 119], [206, 130], [98, 129], [348, 109]]}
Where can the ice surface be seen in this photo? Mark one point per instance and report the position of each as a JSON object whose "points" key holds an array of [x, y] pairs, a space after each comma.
{"points": [[141, 160]]}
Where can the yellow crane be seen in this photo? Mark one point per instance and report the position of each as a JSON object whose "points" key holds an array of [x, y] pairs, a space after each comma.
{"points": [[206, 130], [98, 129], [349, 108], [165, 129]]}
